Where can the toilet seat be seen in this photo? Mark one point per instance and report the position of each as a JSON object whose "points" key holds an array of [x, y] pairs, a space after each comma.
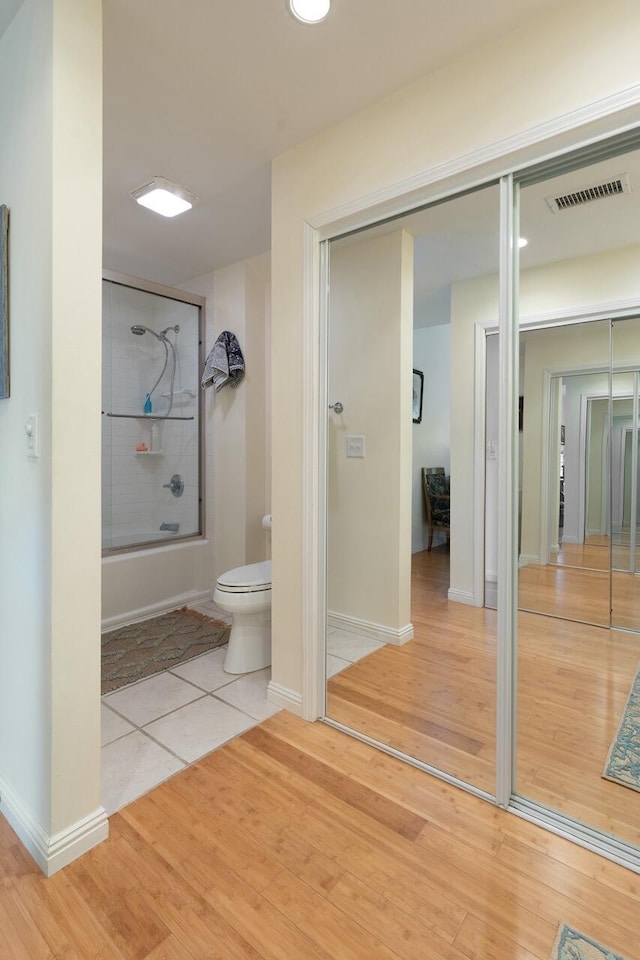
{"points": [[254, 578]]}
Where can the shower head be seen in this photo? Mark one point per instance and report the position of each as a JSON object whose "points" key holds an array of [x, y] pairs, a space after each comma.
{"points": [[175, 329], [139, 331]]}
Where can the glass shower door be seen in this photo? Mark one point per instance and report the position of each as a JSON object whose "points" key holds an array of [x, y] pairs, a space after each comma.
{"points": [[151, 417]]}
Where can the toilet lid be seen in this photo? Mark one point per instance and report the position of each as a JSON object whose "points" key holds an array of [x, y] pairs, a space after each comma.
{"points": [[255, 576]]}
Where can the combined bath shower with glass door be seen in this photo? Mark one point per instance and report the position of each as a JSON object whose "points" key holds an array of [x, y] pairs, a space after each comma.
{"points": [[151, 436]]}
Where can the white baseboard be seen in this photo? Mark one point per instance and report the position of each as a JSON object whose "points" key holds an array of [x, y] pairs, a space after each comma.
{"points": [[370, 630], [52, 852], [570, 539], [155, 609], [463, 596], [283, 697], [527, 558]]}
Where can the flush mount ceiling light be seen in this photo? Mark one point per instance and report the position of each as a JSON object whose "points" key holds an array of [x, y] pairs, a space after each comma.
{"points": [[309, 11], [164, 197]]}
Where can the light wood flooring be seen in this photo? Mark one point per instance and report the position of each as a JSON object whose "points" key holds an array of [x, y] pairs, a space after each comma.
{"points": [[434, 699], [297, 842], [582, 587]]}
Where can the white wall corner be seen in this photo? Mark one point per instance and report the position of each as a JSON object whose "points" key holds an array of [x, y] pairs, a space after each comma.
{"points": [[51, 852], [289, 700]]}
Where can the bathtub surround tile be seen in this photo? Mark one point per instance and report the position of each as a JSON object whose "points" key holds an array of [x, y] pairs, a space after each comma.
{"points": [[154, 697], [131, 766], [205, 671], [199, 728], [249, 694], [112, 726], [350, 646]]}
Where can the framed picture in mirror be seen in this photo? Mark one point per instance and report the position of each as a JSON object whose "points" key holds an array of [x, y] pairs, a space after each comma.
{"points": [[418, 390]]}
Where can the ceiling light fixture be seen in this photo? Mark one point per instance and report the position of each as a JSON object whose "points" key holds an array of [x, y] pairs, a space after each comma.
{"points": [[522, 242], [310, 11], [164, 197]]}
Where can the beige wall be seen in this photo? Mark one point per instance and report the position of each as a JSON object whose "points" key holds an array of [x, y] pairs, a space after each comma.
{"points": [[495, 92], [568, 285], [369, 499], [549, 350], [50, 170], [238, 422]]}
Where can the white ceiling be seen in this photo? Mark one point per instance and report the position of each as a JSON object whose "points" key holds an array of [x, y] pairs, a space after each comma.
{"points": [[458, 239], [207, 92]]}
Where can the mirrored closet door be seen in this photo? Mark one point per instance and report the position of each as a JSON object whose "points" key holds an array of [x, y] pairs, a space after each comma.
{"points": [[579, 590], [411, 645]]}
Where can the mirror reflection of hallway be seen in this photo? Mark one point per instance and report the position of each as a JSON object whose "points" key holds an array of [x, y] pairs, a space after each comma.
{"points": [[410, 648], [576, 670], [564, 561], [625, 474]]}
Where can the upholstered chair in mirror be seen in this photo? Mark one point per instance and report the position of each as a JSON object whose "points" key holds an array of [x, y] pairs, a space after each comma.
{"points": [[435, 485]]}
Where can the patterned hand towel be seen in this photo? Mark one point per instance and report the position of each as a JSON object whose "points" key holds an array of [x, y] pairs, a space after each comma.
{"points": [[225, 363]]}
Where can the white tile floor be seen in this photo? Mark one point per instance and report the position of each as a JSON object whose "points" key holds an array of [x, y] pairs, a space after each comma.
{"points": [[156, 727]]}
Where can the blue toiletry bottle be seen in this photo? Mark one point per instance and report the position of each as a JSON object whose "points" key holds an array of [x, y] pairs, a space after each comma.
{"points": [[147, 404]]}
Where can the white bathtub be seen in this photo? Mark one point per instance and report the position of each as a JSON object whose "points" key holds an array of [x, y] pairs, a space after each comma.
{"points": [[147, 582]]}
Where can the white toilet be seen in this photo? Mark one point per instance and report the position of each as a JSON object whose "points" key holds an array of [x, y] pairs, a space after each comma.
{"points": [[245, 592]]}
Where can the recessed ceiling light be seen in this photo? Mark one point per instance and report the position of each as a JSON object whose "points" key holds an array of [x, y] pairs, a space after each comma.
{"points": [[522, 242], [310, 11], [164, 197]]}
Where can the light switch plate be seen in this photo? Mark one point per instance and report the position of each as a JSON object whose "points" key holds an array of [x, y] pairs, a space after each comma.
{"points": [[33, 436], [355, 446]]}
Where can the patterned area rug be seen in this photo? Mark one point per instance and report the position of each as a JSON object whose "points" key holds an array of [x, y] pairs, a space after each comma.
{"points": [[141, 649], [623, 761], [572, 945]]}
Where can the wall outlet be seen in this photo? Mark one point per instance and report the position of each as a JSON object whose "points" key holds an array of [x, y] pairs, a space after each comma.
{"points": [[355, 446]]}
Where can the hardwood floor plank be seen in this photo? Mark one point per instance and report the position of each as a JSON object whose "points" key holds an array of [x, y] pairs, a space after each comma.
{"points": [[324, 923], [117, 904], [66, 922], [478, 940], [395, 925], [22, 940], [171, 949], [434, 697], [366, 801], [254, 854]]}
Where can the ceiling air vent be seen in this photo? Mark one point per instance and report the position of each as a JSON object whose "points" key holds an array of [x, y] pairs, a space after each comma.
{"points": [[578, 198]]}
